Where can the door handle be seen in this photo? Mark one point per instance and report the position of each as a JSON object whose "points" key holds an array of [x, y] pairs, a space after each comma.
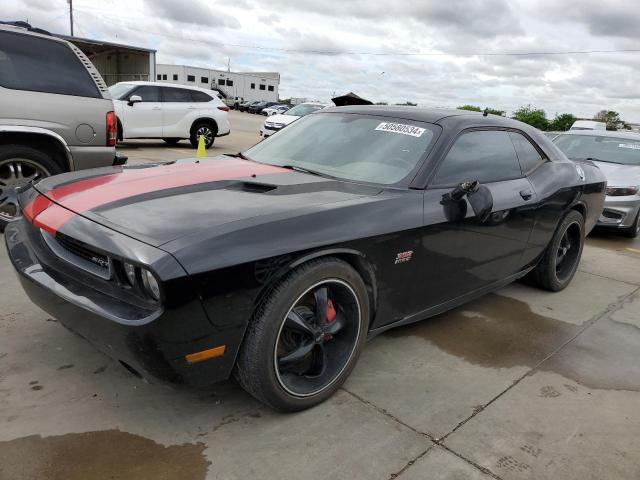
{"points": [[526, 194]]}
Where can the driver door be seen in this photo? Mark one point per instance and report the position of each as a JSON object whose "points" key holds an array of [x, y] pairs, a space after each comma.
{"points": [[460, 253], [143, 119]]}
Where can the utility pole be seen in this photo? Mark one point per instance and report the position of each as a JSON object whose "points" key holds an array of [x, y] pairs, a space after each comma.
{"points": [[70, 2]]}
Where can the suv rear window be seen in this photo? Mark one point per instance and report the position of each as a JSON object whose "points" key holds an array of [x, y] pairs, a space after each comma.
{"points": [[40, 65], [200, 96]]}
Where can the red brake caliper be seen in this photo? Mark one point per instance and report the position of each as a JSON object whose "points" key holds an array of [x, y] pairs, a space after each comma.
{"points": [[331, 311]]}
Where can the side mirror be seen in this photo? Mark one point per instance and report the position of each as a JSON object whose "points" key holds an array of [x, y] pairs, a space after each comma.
{"points": [[478, 195], [134, 99], [481, 201]]}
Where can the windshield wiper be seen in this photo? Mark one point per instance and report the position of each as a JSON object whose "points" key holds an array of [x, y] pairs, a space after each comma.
{"points": [[305, 170]]}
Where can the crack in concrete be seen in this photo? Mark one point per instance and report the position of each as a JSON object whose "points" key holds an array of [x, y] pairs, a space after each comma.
{"points": [[609, 310]]}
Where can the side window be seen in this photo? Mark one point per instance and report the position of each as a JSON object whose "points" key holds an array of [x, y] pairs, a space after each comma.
{"points": [[262, 87], [147, 93], [40, 65], [271, 88], [159, 77], [191, 78], [221, 81], [204, 79], [229, 83], [175, 76], [164, 76], [177, 95], [486, 156], [527, 154], [253, 86], [200, 96]]}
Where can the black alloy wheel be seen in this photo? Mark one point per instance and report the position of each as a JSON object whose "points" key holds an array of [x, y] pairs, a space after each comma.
{"points": [[317, 338], [305, 336], [562, 256]]}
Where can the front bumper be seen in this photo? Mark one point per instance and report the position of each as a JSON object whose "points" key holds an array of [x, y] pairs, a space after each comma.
{"points": [[152, 341], [619, 212]]}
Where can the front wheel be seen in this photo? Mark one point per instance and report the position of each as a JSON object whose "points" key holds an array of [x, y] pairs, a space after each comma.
{"points": [[206, 130], [562, 256], [306, 336]]}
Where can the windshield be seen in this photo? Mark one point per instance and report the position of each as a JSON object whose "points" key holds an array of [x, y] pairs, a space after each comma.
{"points": [[363, 148], [304, 109], [120, 90], [625, 151]]}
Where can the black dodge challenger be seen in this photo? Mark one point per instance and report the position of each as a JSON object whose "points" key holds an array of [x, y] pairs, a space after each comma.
{"points": [[276, 264]]}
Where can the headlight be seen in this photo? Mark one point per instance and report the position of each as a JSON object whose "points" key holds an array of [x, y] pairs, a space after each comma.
{"points": [[130, 271], [621, 191], [150, 284]]}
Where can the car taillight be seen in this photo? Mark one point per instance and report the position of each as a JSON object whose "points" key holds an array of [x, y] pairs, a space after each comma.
{"points": [[112, 129], [224, 108]]}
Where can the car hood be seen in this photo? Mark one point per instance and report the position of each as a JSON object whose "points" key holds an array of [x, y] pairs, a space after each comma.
{"points": [[620, 175], [159, 203], [284, 119]]}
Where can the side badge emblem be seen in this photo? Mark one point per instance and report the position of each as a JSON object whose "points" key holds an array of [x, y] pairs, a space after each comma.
{"points": [[404, 257], [580, 172]]}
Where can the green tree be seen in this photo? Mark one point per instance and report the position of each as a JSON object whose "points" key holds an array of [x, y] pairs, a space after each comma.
{"points": [[471, 108], [562, 122], [381, 103], [408, 104], [611, 118], [533, 116], [474, 108]]}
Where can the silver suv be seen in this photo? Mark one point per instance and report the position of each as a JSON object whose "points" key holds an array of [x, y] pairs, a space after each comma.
{"points": [[56, 114]]}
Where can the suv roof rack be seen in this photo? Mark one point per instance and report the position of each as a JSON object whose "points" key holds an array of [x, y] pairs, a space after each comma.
{"points": [[26, 26]]}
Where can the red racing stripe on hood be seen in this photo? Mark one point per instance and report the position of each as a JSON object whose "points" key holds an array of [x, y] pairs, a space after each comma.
{"points": [[87, 194]]}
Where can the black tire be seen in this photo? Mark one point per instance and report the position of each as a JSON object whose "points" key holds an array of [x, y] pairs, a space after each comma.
{"points": [[171, 141], [552, 273], [208, 129], [258, 368], [33, 163], [634, 230]]}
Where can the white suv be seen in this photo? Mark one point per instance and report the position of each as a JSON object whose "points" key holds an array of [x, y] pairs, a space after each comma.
{"points": [[168, 111]]}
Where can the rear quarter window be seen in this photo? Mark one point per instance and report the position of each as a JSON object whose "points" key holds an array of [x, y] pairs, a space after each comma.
{"points": [[200, 96], [41, 65]]}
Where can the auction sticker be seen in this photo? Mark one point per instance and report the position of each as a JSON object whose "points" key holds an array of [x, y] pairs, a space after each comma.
{"points": [[401, 128], [633, 146]]}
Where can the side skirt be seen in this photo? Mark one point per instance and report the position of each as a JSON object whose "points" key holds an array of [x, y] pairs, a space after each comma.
{"points": [[448, 305]]}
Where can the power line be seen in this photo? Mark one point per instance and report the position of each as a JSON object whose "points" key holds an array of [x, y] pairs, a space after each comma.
{"points": [[377, 54]]}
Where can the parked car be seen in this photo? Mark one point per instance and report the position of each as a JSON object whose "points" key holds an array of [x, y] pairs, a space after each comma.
{"points": [[258, 107], [588, 125], [275, 109], [56, 114], [244, 107], [278, 263], [169, 111], [617, 154], [277, 122]]}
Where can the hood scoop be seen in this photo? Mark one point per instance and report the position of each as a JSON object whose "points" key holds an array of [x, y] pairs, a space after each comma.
{"points": [[251, 187]]}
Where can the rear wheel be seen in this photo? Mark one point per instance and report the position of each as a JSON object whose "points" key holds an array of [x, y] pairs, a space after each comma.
{"points": [[205, 129], [171, 141], [306, 336], [634, 230], [562, 256], [18, 166]]}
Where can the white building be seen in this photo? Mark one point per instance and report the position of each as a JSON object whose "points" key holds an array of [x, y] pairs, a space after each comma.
{"points": [[249, 86]]}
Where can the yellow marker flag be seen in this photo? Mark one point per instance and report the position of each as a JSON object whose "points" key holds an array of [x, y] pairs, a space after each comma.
{"points": [[202, 152]]}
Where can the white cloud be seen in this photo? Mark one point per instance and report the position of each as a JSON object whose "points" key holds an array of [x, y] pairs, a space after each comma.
{"points": [[206, 33]]}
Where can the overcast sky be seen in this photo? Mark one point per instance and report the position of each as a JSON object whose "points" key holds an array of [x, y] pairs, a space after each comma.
{"points": [[458, 32]]}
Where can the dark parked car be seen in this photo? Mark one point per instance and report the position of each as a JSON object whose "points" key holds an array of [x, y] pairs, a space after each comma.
{"points": [[258, 107], [244, 107], [277, 264]]}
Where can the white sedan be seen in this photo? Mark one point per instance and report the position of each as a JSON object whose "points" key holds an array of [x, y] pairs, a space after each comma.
{"points": [[277, 122], [169, 111], [275, 110]]}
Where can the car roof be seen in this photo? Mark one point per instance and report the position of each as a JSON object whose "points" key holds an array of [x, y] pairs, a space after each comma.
{"points": [[164, 84], [428, 115], [603, 133], [8, 27]]}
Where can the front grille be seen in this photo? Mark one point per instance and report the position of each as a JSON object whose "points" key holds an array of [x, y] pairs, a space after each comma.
{"points": [[269, 127], [79, 254], [83, 251]]}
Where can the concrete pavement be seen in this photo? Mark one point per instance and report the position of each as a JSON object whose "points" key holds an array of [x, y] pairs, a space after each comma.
{"points": [[518, 384]]}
